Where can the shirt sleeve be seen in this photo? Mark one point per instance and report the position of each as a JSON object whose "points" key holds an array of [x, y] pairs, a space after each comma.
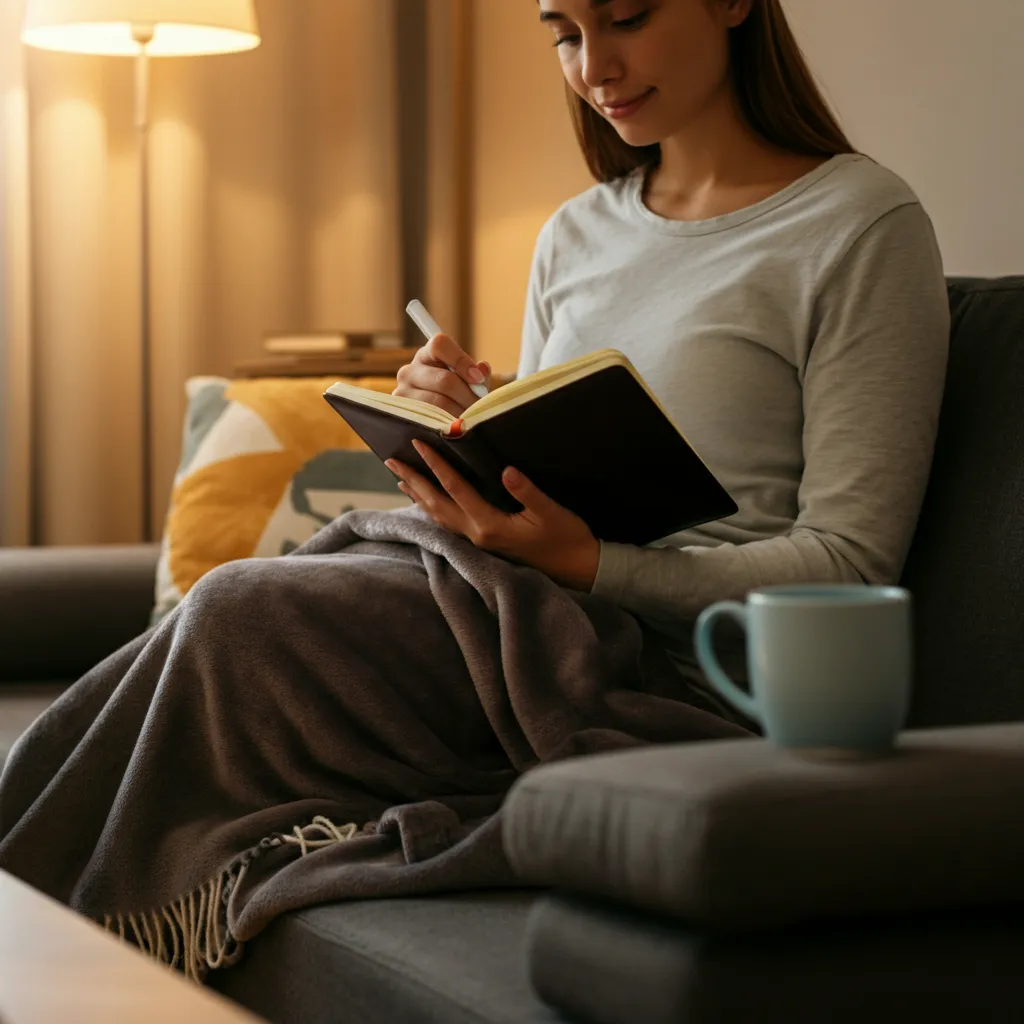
{"points": [[537, 321], [872, 388]]}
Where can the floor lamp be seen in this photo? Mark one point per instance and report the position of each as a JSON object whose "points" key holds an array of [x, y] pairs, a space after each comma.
{"points": [[142, 29]]}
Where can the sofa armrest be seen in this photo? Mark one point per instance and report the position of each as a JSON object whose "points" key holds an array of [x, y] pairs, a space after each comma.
{"points": [[738, 835], [64, 609]]}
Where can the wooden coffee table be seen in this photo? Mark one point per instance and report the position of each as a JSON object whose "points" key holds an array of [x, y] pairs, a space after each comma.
{"points": [[56, 966]]}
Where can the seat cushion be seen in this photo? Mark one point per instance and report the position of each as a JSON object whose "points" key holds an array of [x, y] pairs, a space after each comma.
{"points": [[450, 959], [600, 963], [20, 706]]}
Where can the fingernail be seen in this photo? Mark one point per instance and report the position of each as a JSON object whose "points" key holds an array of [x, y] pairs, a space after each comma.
{"points": [[513, 477], [476, 376]]}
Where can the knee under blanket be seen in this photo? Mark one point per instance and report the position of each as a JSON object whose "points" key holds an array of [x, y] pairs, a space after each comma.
{"points": [[342, 722]]}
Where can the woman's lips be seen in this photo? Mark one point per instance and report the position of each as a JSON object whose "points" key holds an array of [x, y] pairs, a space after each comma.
{"points": [[618, 111]]}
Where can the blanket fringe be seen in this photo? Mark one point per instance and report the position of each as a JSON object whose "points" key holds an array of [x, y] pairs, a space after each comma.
{"points": [[192, 932]]}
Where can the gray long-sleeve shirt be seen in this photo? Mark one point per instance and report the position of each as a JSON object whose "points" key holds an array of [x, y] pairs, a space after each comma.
{"points": [[799, 344]]}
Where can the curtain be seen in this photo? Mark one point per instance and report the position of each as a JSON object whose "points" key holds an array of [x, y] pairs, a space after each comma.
{"points": [[274, 205], [15, 312]]}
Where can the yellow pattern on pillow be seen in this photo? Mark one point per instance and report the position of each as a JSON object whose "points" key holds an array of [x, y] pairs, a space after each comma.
{"points": [[264, 467]]}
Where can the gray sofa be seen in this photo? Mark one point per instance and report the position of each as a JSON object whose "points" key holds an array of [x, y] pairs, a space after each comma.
{"points": [[615, 941]]}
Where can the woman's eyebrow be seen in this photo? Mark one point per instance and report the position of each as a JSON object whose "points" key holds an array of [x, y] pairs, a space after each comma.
{"points": [[558, 16]]}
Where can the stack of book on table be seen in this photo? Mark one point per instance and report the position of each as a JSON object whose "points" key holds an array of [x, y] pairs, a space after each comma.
{"points": [[315, 343], [323, 353]]}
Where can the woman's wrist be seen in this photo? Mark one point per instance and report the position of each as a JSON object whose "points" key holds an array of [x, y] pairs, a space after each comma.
{"points": [[581, 567]]}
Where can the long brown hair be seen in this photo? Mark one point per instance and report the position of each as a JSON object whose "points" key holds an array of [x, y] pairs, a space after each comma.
{"points": [[776, 91]]}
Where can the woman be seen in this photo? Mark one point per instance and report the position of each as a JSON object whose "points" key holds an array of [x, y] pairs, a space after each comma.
{"points": [[784, 298]]}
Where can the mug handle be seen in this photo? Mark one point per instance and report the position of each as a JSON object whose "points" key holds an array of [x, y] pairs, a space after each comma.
{"points": [[703, 631]]}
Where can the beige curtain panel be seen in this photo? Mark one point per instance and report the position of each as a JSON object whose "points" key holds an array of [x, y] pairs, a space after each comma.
{"points": [[275, 205], [15, 288]]}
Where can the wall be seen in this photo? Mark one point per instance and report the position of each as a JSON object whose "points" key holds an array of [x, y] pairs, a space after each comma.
{"points": [[931, 88], [934, 90]]}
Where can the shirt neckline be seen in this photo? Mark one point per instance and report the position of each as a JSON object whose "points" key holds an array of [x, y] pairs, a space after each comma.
{"points": [[668, 226]]}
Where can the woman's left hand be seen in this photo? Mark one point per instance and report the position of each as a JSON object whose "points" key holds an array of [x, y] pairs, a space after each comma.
{"points": [[545, 535]]}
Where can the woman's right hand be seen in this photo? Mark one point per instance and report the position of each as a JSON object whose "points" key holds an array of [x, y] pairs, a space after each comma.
{"points": [[440, 374]]}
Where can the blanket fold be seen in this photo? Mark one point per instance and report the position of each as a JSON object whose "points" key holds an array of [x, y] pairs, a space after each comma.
{"points": [[340, 723]]}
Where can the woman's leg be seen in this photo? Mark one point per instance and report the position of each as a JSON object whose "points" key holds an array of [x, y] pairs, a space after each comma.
{"points": [[182, 782], [270, 697]]}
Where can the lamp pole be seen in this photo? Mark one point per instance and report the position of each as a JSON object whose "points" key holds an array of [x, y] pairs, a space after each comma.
{"points": [[143, 36], [98, 27]]}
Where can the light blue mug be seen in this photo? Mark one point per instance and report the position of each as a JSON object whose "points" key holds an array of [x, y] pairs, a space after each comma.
{"points": [[829, 666]]}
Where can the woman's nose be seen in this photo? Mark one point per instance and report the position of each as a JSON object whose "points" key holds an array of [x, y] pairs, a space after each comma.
{"points": [[600, 63]]}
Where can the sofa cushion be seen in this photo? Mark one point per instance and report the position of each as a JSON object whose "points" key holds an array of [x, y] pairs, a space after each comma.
{"points": [[265, 464], [456, 959], [602, 963], [741, 835], [966, 566]]}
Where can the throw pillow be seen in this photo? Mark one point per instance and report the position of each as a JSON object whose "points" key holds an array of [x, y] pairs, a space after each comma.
{"points": [[265, 464]]}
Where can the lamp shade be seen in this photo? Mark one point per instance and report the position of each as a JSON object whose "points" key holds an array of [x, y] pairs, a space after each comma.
{"points": [[181, 28]]}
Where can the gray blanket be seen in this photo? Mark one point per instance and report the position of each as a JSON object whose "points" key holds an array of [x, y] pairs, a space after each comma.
{"points": [[341, 722]]}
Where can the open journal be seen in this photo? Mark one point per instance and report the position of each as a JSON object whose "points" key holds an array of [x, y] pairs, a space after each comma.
{"points": [[589, 433]]}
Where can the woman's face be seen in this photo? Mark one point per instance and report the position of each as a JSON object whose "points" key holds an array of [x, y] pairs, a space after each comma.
{"points": [[649, 67]]}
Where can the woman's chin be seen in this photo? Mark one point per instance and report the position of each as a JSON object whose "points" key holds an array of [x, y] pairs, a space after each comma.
{"points": [[635, 135]]}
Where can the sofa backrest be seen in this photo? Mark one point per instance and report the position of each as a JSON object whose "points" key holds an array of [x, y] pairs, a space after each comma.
{"points": [[966, 566]]}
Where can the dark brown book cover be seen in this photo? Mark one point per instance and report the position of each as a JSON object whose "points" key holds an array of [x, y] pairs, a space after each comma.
{"points": [[597, 445]]}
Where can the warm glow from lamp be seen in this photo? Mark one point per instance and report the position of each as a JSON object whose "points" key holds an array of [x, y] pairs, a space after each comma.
{"points": [[181, 28], [142, 29]]}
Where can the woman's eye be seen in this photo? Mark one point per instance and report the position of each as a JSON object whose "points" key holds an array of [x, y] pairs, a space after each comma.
{"points": [[637, 21], [626, 24]]}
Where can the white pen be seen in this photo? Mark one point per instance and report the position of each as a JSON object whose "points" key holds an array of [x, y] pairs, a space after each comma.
{"points": [[428, 325]]}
